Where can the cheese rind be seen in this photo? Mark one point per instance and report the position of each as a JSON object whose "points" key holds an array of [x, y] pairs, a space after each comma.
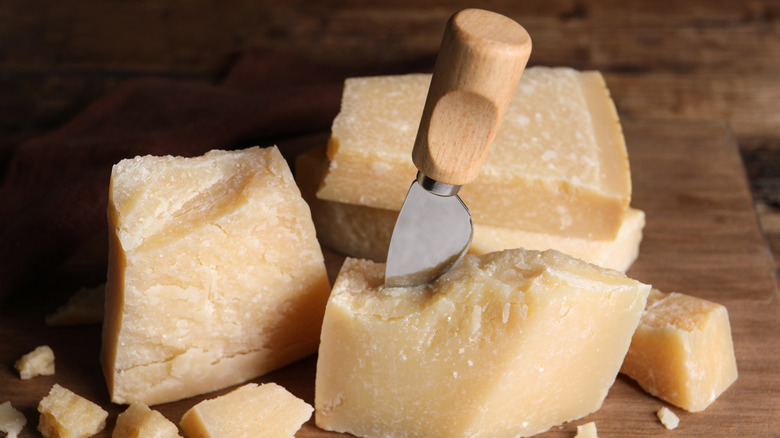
{"points": [[682, 351], [558, 164], [215, 274], [265, 411], [507, 344], [65, 414], [39, 362], [138, 421], [11, 421], [364, 232]]}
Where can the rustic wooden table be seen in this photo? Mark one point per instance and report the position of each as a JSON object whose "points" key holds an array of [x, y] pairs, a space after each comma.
{"points": [[695, 80]]}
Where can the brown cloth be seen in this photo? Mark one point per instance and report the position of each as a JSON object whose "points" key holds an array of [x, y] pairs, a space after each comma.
{"points": [[55, 190]]}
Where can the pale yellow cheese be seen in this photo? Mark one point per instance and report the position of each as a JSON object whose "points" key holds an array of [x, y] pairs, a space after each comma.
{"points": [[265, 411], [138, 421], [364, 232], [65, 414], [507, 344], [39, 362], [558, 164], [215, 274], [587, 430], [668, 418], [682, 351], [86, 306], [11, 421]]}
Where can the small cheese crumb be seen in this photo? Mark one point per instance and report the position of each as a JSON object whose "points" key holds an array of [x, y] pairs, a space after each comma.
{"points": [[11, 420], [65, 414], [39, 362], [587, 430], [668, 418], [140, 421]]}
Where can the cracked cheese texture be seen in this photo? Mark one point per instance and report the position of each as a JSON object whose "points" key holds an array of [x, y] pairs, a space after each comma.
{"points": [[682, 351], [65, 414], [39, 362], [265, 411], [507, 344], [364, 232], [11, 420], [558, 164], [215, 274], [138, 421]]}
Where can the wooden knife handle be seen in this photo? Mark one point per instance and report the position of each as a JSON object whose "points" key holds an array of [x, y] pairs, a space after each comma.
{"points": [[480, 61]]}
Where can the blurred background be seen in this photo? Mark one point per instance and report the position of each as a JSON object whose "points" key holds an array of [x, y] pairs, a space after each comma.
{"points": [[713, 60]]}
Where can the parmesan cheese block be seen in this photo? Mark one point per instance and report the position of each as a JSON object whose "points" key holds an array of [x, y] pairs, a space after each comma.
{"points": [[138, 421], [65, 414], [39, 362], [265, 411], [11, 420], [215, 274], [558, 164], [506, 344], [364, 232], [682, 351]]}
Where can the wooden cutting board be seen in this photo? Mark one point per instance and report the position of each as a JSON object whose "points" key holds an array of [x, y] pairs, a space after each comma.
{"points": [[702, 238]]}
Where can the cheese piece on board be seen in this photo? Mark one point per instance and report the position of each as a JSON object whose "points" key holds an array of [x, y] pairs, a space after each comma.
{"points": [[86, 306], [265, 411], [668, 418], [506, 344], [65, 414], [587, 430], [11, 420], [558, 164], [682, 351], [364, 232], [138, 421], [215, 274], [39, 362]]}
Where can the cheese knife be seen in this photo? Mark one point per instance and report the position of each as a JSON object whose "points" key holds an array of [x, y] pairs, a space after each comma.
{"points": [[480, 61]]}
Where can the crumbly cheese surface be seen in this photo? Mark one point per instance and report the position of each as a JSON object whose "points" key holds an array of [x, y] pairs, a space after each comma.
{"points": [[364, 232], [139, 421], [682, 351], [11, 420], [39, 362], [507, 344], [65, 414], [558, 163], [264, 411], [215, 274]]}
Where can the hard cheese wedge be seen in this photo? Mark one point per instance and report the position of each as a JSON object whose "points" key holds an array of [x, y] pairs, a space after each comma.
{"points": [[682, 351], [265, 411], [558, 164], [215, 274], [507, 344], [364, 232]]}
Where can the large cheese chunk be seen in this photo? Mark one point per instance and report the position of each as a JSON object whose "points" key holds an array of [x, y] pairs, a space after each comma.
{"points": [[507, 344], [558, 164], [138, 421], [215, 274], [65, 414], [364, 232], [265, 411], [682, 351]]}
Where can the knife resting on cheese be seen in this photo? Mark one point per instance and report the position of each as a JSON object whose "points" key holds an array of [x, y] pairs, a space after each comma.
{"points": [[480, 61]]}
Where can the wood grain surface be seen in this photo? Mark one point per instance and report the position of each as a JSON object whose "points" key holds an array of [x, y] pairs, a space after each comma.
{"points": [[702, 238]]}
